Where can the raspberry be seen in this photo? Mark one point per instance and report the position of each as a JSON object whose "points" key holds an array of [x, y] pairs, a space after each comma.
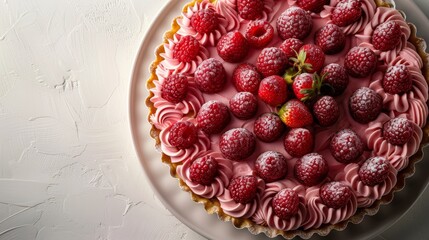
{"points": [[268, 127], [346, 146], [246, 78], [174, 88], [386, 36], [335, 194], [186, 49], [360, 62], [331, 39], [298, 142], [259, 33], [273, 90], [243, 105], [326, 111], [271, 61], [374, 171], [336, 77], [291, 47], [237, 144], [312, 5], [205, 21], [311, 58], [311, 169], [347, 12], [250, 9], [203, 170], [365, 105], [398, 131], [271, 166], [232, 47], [295, 22], [397, 80], [210, 76], [213, 117], [285, 203], [183, 135], [243, 189]]}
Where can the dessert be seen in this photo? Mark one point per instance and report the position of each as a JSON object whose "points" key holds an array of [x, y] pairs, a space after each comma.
{"points": [[290, 117]]}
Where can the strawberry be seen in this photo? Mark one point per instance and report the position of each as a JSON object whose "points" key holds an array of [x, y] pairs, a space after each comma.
{"points": [[365, 105], [386, 36], [243, 189], [174, 88], [310, 59], [307, 86], [271, 166], [243, 105], [213, 117], [347, 12], [291, 47], [285, 203], [183, 135], [233, 47], [326, 111], [295, 114], [374, 171], [346, 146], [246, 78], [360, 62], [186, 49], [335, 79], [237, 144], [330, 38], [271, 61], [205, 21], [203, 170], [273, 90], [398, 131], [335, 194], [295, 22], [210, 76], [312, 5], [397, 80], [298, 142], [268, 127], [311, 169], [250, 9], [259, 33]]}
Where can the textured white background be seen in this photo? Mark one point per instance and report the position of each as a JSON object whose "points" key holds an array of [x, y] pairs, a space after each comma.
{"points": [[68, 169]]}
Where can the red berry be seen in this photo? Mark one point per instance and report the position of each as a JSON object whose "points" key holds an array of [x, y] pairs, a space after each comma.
{"points": [[298, 142], [311, 169], [232, 47], [346, 146], [268, 127], [210, 76], [246, 78], [237, 144], [360, 62], [213, 117], [312, 5], [335, 78], [295, 114], [250, 9], [335, 194], [295, 22], [285, 203], [183, 135], [331, 39], [365, 105], [203, 170], [271, 166], [205, 20], [243, 189], [259, 33], [326, 111], [374, 171], [291, 47], [306, 86], [243, 105], [347, 12], [386, 36], [273, 90], [186, 49], [310, 58], [398, 131], [271, 61], [174, 88], [397, 80]]}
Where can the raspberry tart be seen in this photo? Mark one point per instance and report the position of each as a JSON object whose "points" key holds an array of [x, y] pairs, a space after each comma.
{"points": [[290, 117]]}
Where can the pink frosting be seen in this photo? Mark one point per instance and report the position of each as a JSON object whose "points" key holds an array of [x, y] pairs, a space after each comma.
{"points": [[228, 9], [409, 57], [219, 184]]}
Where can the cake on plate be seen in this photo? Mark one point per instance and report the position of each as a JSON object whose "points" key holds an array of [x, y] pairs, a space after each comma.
{"points": [[290, 117]]}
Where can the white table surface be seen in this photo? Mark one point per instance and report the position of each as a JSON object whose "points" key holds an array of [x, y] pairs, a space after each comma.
{"points": [[68, 169]]}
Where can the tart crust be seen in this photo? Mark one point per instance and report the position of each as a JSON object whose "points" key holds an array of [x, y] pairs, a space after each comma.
{"points": [[212, 206]]}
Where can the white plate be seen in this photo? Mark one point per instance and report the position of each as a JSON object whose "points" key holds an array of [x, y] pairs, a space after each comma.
{"points": [[193, 214]]}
